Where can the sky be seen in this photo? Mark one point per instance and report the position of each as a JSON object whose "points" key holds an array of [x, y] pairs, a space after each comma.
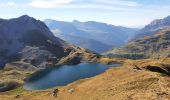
{"points": [[130, 13]]}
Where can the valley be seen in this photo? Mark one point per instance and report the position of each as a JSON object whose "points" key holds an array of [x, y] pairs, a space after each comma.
{"points": [[153, 41], [95, 36]]}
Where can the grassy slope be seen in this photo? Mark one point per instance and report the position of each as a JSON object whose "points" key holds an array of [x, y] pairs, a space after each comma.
{"points": [[147, 47], [121, 83]]}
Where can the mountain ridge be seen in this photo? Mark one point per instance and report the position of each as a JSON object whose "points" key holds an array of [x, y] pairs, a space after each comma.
{"points": [[29, 41], [154, 27], [101, 32]]}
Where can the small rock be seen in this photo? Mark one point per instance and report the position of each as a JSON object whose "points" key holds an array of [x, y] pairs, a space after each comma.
{"points": [[71, 90], [17, 96], [54, 93]]}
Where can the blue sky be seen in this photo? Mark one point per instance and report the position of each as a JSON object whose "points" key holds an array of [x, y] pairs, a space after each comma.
{"points": [[132, 13]]}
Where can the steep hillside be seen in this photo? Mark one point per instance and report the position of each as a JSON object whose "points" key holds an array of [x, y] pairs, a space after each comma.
{"points": [[155, 46], [88, 34], [28, 41]]}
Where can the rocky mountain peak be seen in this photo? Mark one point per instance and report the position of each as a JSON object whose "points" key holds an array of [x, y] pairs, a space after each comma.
{"points": [[18, 33], [154, 27], [76, 21], [25, 17], [158, 24]]}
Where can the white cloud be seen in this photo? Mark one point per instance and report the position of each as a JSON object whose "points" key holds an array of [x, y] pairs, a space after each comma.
{"points": [[11, 4], [124, 5], [103, 7], [48, 3], [8, 4], [118, 2]]}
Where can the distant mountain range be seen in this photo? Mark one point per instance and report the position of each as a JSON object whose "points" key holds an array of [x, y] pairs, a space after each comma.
{"points": [[96, 36], [153, 41], [30, 43]]}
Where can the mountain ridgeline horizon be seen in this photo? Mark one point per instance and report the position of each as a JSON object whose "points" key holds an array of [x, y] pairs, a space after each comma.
{"points": [[25, 36]]}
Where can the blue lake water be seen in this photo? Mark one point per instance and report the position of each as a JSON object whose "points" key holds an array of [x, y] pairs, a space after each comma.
{"points": [[60, 76]]}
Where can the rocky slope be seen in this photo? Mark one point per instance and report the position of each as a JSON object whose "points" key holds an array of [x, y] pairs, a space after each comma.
{"points": [[154, 27], [155, 46], [98, 37], [27, 41]]}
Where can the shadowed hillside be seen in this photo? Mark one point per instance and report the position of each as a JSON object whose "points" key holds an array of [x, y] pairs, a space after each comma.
{"points": [[26, 41]]}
